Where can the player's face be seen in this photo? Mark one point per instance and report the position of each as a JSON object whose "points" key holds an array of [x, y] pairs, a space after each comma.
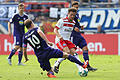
{"points": [[21, 8], [75, 6], [71, 15]]}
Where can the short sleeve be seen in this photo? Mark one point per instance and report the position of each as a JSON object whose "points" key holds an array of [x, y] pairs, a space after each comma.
{"points": [[59, 24], [27, 16], [12, 19]]}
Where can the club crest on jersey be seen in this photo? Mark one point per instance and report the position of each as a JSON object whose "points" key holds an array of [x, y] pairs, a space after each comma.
{"points": [[21, 22], [24, 18], [78, 20]]}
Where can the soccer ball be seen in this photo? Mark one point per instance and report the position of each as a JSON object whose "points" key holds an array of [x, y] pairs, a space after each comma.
{"points": [[84, 72]]}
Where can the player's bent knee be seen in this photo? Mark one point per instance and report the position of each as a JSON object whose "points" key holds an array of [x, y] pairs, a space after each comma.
{"points": [[17, 47], [20, 48], [85, 48], [65, 55]]}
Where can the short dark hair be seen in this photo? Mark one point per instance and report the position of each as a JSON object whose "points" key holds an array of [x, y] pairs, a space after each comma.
{"points": [[20, 5], [72, 10], [28, 23], [75, 3]]}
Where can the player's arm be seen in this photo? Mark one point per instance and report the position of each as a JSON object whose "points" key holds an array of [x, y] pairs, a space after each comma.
{"points": [[44, 37], [9, 25], [57, 27], [9, 29], [57, 33]]}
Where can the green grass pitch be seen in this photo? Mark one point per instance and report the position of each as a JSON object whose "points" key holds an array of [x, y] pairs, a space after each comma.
{"points": [[108, 69]]}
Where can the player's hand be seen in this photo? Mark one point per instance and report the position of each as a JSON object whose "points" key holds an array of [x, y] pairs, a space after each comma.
{"points": [[61, 38], [50, 43], [82, 27], [26, 60]]}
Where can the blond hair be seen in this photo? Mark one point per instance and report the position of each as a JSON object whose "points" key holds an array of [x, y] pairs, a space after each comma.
{"points": [[20, 5], [75, 3]]}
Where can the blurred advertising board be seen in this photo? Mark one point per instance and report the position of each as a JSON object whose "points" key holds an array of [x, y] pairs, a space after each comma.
{"points": [[98, 44], [7, 11], [108, 18], [102, 44]]}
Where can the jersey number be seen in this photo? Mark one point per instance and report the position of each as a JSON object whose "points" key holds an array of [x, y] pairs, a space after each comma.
{"points": [[34, 40]]}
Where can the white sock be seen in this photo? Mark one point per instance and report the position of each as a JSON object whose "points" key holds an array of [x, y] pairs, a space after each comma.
{"points": [[78, 66], [59, 61]]}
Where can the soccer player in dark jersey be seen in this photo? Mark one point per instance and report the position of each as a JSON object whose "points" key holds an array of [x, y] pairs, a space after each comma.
{"points": [[78, 39], [37, 39], [18, 21]]}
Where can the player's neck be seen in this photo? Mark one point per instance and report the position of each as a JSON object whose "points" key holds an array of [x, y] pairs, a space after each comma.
{"points": [[21, 13]]}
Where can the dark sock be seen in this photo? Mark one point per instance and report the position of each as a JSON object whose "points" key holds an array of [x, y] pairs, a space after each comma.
{"points": [[20, 53], [51, 73], [75, 60], [86, 56], [12, 53]]}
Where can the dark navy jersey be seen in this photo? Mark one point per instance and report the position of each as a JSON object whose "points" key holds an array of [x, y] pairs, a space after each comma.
{"points": [[76, 37], [18, 22], [76, 19], [36, 41]]}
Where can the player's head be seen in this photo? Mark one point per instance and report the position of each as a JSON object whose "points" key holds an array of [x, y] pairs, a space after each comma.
{"points": [[21, 7], [71, 13], [28, 23], [75, 4]]}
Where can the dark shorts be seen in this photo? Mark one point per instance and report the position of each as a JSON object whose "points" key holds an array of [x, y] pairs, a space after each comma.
{"points": [[44, 58], [18, 40], [79, 41]]}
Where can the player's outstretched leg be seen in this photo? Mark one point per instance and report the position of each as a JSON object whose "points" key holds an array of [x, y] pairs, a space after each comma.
{"points": [[80, 68], [57, 65], [75, 60]]}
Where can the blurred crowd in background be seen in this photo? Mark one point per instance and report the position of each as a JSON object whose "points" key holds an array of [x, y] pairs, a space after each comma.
{"points": [[38, 10], [83, 3]]}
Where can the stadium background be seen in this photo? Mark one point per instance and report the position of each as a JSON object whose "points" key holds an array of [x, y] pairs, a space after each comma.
{"points": [[45, 14]]}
